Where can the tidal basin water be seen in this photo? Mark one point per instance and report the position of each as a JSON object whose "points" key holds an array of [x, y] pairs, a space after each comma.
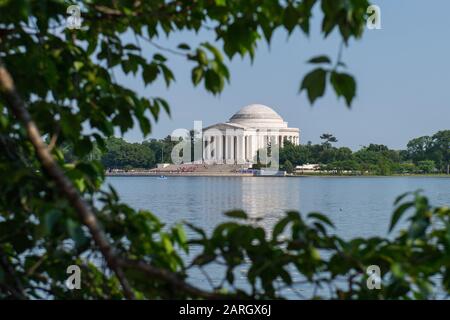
{"points": [[358, 206]]}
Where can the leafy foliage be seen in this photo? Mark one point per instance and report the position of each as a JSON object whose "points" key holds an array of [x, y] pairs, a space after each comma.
{"points": [[423, 155], [435, 148], [315, 82], [66, 79], [412, 264]]}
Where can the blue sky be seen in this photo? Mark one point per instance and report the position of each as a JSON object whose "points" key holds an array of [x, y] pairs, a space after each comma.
{"points": [[402, 71]]}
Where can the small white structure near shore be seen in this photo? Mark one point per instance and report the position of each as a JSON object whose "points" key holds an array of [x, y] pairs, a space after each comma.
{"points": [[307, 168], [162, 165]]}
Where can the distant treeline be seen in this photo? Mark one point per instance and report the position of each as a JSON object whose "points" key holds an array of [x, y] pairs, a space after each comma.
{"points": [[124, 155], [422, 155], [428, 154]]}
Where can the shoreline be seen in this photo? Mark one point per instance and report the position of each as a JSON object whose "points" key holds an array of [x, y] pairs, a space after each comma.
{"points": [[219, 174], [177, 174]]}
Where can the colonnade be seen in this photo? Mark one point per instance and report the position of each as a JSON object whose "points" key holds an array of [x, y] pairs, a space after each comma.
{"points": [[240, 148]]}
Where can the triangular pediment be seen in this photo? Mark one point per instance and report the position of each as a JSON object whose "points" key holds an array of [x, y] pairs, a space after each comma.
{"points": [[224, 126]]}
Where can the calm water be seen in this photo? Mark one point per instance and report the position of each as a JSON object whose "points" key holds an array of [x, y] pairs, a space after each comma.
{"points": [[359, 206]]}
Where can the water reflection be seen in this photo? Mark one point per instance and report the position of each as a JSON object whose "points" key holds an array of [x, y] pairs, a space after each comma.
{"points": [[359, 207]]}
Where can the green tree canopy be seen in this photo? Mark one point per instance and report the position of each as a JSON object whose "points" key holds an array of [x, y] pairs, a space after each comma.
{"points": [[121, 154]]}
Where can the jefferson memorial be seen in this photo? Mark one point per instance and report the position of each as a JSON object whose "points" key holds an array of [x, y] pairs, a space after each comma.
{"points": [[237, 141]]}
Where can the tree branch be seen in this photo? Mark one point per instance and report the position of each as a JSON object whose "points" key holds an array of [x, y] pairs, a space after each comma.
{"points": [[85, 213], [17, 106], [175, 281]]}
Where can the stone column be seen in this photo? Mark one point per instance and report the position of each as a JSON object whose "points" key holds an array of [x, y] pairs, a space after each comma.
{"points": [[214, 145], [217, 148], [247, 149], [241, 141], [238, 149], [230, 149], [203, 148], [206, 148], [210, 148], [224, 148], [237, 152], [235, 148], [254, 146], [222, 153], [227, 148]]}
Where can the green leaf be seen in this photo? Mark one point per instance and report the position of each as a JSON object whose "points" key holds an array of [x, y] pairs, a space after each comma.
{"points": [[319, 59], [202, 57], [203, 259], [398, 214], [159, 57], [168, 75], [213, 50], [279, 227], [290, 18], [213, 82], [51, 217], [285, 276], [154, 109], [238, 214], [92, 45], [401, 197], [145, 125], [83, 146], [197, 75], [150, 73], [184, 46], [180, 235], [76, 233], [167, 243], [196, 229], [221, 3], [321, 217], [344, 85], [78, 65], [314, 84], [131, 47], [164, 104]]}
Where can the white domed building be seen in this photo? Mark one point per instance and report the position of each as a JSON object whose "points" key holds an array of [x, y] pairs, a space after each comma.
{"points": [[252, 128]]}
